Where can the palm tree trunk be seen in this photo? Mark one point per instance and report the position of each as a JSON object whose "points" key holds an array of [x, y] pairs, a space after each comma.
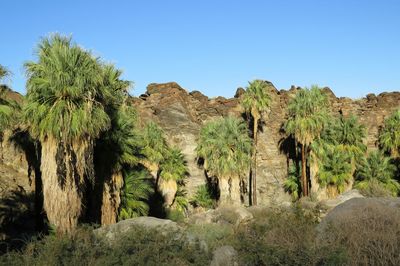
{"points": [[303, 171], [168, 189], [224, 190], [111, 199], [65, 169], [235, 191], [254, 172]]}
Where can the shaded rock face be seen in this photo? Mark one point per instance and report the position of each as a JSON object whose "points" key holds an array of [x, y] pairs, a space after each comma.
{"points": [[181, 114]]}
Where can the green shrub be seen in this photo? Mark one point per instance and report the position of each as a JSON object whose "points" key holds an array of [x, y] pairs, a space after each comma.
{"points": [[136, 247], [203, 198]]}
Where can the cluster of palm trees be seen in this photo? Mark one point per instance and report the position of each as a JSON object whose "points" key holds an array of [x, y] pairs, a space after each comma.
{"points": [[330, 149], [333, 150], [91, 147]]}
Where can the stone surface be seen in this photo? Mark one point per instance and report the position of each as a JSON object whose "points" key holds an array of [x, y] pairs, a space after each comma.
{"points": [[234, 215], [351, 194], [150, 223], [360, 206], [224, 256]]}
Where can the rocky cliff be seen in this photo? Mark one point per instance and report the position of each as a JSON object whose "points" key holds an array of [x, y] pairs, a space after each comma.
{"points": [[181, 114]]}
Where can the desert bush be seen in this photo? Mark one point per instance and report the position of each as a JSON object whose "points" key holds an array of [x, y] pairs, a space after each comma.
{"points": [[136, 247], [213, 234], [283, 238], [369, 233], [203, 198]]}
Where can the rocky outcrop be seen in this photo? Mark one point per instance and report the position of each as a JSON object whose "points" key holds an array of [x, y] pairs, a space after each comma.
{"points": [[181, 114]]}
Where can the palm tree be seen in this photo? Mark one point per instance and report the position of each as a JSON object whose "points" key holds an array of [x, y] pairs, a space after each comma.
{"points": [[117, 149], [389, 138], [255, 101], [4, 72], [377, 169], [336, 171], [226, 149], [173, 171], [135, 194], [291, 184], [65, 110], [341, 138], [155, 147], [307, 118]]}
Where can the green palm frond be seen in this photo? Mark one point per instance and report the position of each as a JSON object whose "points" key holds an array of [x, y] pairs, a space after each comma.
{"points": [[389, 138], [256, 99], [67, 91], [203, 198], [377, 168], [135, 194], [308, 115], [154, 144], [292, 183], [225, 146], [174, 166], [181, 202]]}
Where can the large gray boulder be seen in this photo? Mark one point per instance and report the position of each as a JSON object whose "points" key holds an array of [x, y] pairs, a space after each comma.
{"points": [[226, 214], [112, 232]]}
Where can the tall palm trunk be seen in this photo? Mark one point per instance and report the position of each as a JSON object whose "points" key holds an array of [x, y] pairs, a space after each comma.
{"points": [[65, 169], [224, 190], [254, 171], [168, 189], [303, 171], [111, 199], [235, 190]]}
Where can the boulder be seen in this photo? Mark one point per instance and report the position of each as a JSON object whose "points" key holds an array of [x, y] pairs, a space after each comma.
{"points": [[234, 215], [332, 203], [111, 232], [225, 255], [354, 208]]}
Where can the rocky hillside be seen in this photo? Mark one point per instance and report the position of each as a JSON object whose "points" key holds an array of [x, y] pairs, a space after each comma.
{"points": [[181, 114]]}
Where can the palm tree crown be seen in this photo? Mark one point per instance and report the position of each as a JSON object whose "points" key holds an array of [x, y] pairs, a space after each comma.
{"points": [[307, 114], [389, 138], [377, 168], [225, 146], [66, 91], [256, 98]]}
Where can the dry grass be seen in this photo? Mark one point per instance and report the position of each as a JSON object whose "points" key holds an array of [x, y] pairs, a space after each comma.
{"points": [[370, 234]]}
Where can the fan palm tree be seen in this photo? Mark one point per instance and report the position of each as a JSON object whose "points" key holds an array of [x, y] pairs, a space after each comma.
{"points": [[307, 118], [225, 146], [255, 101], [173, 171], [117, 149], [66, 95], [155, 147], [389, 138], [377, 168], [136, 191], [344, 137], [336, 171]]}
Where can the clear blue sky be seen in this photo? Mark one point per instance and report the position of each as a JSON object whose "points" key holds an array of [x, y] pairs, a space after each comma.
{"points": [[216, 46]]}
